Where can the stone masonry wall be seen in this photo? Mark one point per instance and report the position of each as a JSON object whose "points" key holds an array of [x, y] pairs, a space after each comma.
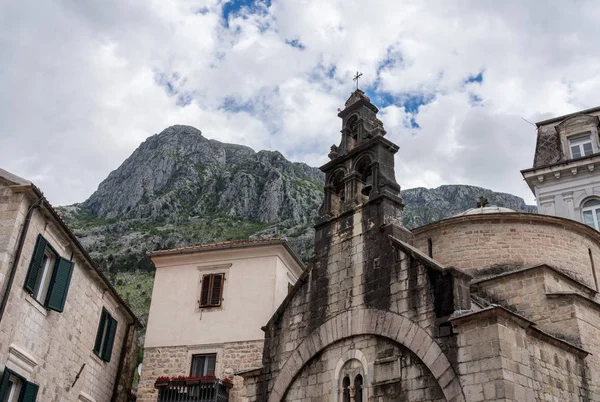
{"points": [[355, 268], [483, 245], [525, 293], [392, 373], [12, 216], [556, 306], [177, 360], [500, 361], [60, 343]]}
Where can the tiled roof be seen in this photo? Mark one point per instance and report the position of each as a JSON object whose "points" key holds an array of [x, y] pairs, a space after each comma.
{"points": [[220, 245]]}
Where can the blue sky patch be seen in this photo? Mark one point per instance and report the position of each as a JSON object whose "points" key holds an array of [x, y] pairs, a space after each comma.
{"points": [[475, 100], [203, 11], [475, 78], [391, 60], [169, 82], [233, 7], [296, 43], [231, 104]]}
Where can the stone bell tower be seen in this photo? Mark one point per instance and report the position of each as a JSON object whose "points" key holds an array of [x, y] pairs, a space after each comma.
{"points": [[340, 335], [361, 208], [362, 166]]}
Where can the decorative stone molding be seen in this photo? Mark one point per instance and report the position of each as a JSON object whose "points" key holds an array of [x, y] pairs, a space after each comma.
{"points": [[353, 354], [20, 361], [372, 322]]}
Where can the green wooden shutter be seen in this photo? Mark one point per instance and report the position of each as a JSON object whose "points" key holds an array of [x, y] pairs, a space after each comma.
{"points": [[101, 325], [4, 383], [110, 338], [29, 393], [59, 287], [36, 263]]}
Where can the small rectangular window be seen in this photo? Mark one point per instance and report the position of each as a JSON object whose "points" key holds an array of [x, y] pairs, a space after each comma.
{"points": [[203, 365], [105, 337], [211, 293], [14, 388], [581, 146], [49, 276]]}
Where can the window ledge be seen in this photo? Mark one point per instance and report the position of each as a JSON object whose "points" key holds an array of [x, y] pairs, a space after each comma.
{"points": [[20, 361], [83, 397], [36, 304], [96, 358]]}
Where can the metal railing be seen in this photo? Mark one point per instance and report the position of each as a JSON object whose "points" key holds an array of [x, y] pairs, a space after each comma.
{"points": [[202, 392]]}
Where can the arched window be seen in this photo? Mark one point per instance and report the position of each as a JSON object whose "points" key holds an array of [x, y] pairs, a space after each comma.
{"points": [[591, 213], [352, 125], [358, 387], [346, 389], [338, 196]]}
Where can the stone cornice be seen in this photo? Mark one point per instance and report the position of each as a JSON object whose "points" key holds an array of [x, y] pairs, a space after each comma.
{"points": [[529, 326], [362, 147], [564, 275], [425, 259], [506, 217], [574, 295], [558, 170]]}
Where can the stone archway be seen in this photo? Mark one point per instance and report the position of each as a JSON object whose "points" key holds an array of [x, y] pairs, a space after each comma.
{"points": [[371, 322]]}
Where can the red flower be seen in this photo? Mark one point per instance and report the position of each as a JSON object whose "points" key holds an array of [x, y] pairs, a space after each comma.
{"points": [[227, 380]]}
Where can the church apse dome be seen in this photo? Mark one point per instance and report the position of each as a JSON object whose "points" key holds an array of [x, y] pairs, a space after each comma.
{"points": [[486, 243]]}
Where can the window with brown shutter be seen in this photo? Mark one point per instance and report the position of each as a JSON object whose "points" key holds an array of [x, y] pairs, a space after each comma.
{"points": [[212, 290]]}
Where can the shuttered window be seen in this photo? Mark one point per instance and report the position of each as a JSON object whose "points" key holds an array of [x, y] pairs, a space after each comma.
{"points": [[211, 293], [49, 276], [14, 388], [105, 337]]}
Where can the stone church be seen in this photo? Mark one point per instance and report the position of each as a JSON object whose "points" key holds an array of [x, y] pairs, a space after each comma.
{"points": [[490, 305]]}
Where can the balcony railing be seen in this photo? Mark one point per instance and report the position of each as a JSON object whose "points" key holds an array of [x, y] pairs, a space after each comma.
{"points": [[196, 391]]}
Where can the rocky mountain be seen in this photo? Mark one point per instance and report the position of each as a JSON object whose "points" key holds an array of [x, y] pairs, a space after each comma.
{"points": [[180, 188]]}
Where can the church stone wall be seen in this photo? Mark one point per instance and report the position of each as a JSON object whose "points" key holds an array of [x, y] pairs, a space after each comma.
{"points": [[395, 374], [525, 293], [500, 360], [488, 244], [176, 360], [356, 267]]}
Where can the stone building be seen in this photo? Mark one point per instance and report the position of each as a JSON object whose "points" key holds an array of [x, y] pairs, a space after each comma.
{"points": [[563, 178], [208, 305], [490, 305], [65, 334]]}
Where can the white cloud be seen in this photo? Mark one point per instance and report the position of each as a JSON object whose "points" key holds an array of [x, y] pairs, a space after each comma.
{"points": [[81, 81]]}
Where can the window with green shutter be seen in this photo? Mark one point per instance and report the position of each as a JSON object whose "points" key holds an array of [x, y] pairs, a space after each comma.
{"points": [[14, 388], [105, 337], [49, 276]]}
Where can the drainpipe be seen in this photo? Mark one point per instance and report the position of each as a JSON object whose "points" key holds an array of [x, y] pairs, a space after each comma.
{"points": [[15, 264], [124, 348]]}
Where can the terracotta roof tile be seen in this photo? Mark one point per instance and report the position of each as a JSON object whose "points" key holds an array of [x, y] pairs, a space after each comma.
{"points": [[219, 245]]}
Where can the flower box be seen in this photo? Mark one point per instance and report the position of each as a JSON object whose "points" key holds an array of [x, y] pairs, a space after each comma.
{"points": [[162, 382]]}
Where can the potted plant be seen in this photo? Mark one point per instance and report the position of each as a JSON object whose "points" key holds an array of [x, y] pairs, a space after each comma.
{"points": [[208, 379], [178, 381], [192, 380], [227, 383], [161, 381]]}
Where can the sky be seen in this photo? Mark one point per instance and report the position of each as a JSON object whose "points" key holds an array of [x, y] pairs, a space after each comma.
{"points": [[85, 82]]}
